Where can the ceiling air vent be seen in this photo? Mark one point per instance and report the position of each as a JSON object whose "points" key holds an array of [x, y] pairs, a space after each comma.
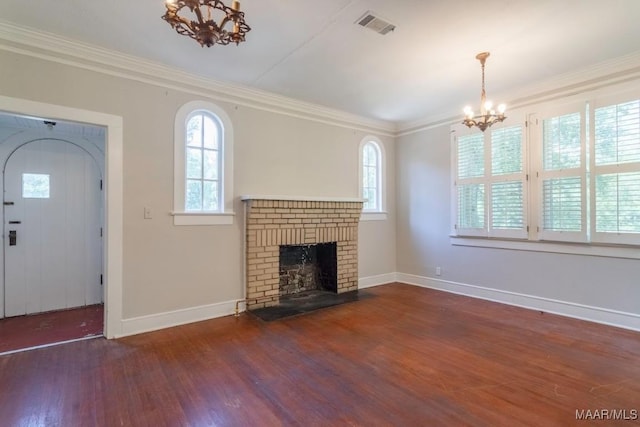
{"points": [[375, 23]]}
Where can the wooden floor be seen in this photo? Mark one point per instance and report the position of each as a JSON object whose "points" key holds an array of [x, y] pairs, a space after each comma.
{"points": [[52, 327], [402, 356]]}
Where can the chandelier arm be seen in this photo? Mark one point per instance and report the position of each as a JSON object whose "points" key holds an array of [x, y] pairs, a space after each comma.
{"points": [[203, 28]]}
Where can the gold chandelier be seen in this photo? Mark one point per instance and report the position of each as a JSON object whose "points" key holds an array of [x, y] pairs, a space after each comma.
{"points": [[207, 21], [487, 115]]}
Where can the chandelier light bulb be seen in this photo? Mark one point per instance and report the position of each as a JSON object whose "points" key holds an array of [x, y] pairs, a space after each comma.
{"points": [[468, 111], [502, 108], [488, 105]]}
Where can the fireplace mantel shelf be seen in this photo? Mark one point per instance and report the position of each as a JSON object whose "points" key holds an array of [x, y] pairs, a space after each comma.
{"points": [[304, 199]]}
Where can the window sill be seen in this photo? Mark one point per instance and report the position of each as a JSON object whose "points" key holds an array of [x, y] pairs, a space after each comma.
{"points": [[599, 250], [373, 216], [203, 218]]}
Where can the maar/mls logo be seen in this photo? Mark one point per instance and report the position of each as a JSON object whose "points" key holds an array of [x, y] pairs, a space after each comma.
{"points": [[607, 414]]}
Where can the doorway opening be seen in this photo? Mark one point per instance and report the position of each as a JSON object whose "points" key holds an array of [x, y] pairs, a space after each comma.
{"points": [[53, 216]]}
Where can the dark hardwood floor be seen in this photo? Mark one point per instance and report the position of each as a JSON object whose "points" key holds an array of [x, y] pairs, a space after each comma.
{"points": [[403, 356]]}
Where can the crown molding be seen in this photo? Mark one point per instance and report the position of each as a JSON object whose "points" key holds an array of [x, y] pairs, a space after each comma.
{"points": [[607, 73], [51, 47]]}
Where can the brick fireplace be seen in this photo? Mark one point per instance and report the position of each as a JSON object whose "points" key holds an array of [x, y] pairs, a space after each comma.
{"points": [[272, 223]]}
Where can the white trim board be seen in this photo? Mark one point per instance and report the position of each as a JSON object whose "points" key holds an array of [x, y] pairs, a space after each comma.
{"points": [[563, 308], [52, 47], [168, 319], [380, 279]]}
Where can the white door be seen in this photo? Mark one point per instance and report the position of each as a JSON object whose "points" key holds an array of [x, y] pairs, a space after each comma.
{"points": [[52, 228]]}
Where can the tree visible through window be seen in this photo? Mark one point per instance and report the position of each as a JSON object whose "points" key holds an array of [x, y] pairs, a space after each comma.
{"points": [[203, 140], [371, 170]]}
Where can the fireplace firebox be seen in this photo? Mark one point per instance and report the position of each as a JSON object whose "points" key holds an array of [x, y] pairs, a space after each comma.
{"points": [[308, 268]]}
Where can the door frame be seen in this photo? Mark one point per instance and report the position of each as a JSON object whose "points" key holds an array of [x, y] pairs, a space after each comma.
{"points": [[112, 197], [8, 148]]}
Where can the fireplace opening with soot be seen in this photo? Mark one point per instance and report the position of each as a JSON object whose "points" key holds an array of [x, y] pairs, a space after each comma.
{"points": [[306, 269]]}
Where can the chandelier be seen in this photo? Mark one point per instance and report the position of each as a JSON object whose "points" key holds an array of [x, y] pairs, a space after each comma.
{"points": [[207, 21], [487, 115]]}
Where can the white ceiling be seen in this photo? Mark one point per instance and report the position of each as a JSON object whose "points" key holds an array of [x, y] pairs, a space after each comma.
{"points": [[313, 51]]}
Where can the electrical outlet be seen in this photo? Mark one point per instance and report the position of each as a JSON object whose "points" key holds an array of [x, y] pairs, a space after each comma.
{"points": [[438, 271], [147, 212]]}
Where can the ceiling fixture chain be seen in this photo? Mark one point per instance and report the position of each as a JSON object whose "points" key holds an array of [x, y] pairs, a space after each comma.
{"points": [[208, 22], [487, 116]]}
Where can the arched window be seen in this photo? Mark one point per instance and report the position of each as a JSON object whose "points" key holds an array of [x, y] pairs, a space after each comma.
{"points": [[371, 177], [203, 165], [203, 145]]}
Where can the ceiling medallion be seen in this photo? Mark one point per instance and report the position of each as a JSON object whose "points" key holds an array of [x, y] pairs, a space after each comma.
{"points": [[207, 21], [487, 115]]}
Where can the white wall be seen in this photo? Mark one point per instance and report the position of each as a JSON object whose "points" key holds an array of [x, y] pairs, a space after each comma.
{"points": [[557, 282], [170, 268]]}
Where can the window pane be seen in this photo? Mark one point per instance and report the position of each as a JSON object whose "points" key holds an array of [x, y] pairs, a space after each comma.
{"points": [[471, 156], [210, 133], [193, 200], [210, 164], [618, 203], [371, 177], [365, 155], [194, 163], [35, 186], [210, 199], [194, 131], [507, 205], [506, 150], [370, 155], [370, 195], [471, 206], [617, 134], [561, 142], [562, 199]]}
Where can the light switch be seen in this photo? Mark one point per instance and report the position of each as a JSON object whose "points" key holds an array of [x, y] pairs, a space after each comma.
{"points": [[147, 212]]}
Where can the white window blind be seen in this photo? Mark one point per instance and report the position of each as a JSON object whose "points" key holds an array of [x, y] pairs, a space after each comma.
{"points": [[508, 178], [562, 178], [616, 174], [470, 185]]}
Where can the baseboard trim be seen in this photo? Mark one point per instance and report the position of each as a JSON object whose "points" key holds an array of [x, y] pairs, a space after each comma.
{"points": [[605, 316], [380, 279], [153, 322]]}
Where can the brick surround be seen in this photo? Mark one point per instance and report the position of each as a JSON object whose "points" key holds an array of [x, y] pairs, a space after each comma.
{"points": [[271, 223]]}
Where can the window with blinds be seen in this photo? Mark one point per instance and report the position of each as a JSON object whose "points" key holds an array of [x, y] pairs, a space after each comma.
{"points": [[470, 185], [507, 183], [569, 173], [616, 174], [490, 183], [562, 179]]}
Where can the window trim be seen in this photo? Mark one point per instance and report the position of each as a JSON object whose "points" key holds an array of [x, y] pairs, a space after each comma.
{"points": [[225, 215], [380, 213]]}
